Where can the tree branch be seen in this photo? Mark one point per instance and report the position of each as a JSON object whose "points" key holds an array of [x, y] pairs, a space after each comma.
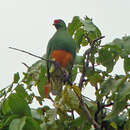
{"points": [[86, 64], [50, 98], [98, 39], [87, 113], [107, 105], [72, 113], [30, 54]]}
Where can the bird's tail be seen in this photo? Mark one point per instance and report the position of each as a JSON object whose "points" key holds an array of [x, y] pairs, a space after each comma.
{"points": [[58, 77]]}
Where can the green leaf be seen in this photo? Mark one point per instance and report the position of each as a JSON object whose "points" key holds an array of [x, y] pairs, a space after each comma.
{"points": [[18, 105], [123, 43], [36, 66], [20, 90], [70, 98], [119, 84], [124, 91], [119, 99], [76, 90], [116, 109], [37, 115], [42, 81], [16, 77], [6, 108], [10, 87], [33, 73], [113, 124], [118, 87], [78, 60], [31, 124], [106, 59], [92, 106], [74, 73], [51, 115], [24, 123], [127, 64], [77, 122], [80, 123], [9, 119], [108, 56], [93, 76], [94, 79], [92, 29], [84, 42], [40, 87], [74, 25], [17, 124], [127, 125], [78, 37], [106, 87]]}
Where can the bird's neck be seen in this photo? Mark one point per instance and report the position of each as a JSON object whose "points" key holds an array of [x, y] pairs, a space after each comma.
{"points": [[61, 28]]}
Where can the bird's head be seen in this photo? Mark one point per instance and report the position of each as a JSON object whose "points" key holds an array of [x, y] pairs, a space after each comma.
{"points": [[59, 24]]}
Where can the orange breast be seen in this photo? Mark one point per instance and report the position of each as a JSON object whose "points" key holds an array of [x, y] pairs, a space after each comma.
{"points": [[62, 57]]}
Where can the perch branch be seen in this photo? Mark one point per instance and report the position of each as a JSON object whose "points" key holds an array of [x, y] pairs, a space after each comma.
{"points": [[30, 54]]}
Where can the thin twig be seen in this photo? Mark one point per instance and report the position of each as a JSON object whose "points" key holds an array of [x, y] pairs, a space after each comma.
{"points": [[25, 64], [50, 98], [88, 98], [97, 111], [72, 113], [98, 39], [107, 105], [30, 54], [98, 103]]}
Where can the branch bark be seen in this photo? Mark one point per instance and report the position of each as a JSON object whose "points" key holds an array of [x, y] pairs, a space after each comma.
{"points": [[86, 64], [29, 54], [87, 113]]}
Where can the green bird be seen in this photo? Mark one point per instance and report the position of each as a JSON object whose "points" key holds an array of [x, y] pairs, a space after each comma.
{"points": [[61, 49]]}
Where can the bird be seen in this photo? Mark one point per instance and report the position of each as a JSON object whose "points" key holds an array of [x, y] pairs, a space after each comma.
{"points": [[61, 49]]}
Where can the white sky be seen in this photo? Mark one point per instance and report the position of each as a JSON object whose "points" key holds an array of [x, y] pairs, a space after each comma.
{"points": [[27, 24]]}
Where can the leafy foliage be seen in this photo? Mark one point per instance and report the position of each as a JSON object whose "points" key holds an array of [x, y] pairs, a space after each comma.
{"points": [[69, 109]]}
